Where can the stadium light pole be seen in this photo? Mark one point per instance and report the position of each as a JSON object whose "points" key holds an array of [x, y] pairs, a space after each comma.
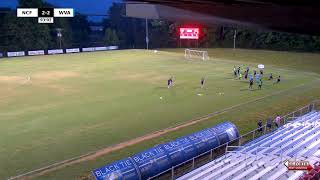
{"points": [[59, 36], [147, 32], [234, 39]]}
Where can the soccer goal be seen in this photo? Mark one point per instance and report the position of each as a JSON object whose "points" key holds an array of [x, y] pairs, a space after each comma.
{"points": [[190, 54]]}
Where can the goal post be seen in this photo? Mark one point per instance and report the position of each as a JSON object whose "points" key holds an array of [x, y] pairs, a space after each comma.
{"points": [[190, 54]]}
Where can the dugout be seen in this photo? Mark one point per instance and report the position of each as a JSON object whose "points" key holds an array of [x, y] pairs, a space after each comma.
{"points": [[162, 157]]}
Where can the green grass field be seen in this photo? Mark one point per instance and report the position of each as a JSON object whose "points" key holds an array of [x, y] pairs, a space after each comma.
{"points": [[58, 107]]}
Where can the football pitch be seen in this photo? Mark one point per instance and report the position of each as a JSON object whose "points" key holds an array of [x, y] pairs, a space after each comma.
{"points": [[57, 107]]}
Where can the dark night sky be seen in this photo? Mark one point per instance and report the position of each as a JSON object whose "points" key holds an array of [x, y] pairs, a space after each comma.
{"points": [[82, 6]]}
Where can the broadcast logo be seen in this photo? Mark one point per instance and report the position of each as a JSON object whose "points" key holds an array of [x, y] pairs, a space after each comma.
{"points": [[298, 165]]}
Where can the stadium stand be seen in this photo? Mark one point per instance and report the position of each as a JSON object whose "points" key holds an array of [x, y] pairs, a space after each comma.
{"points": [[263, 158]]}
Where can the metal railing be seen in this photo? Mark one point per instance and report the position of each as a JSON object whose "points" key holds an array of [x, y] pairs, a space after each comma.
{"points": [[315, 105], [213, 154]]}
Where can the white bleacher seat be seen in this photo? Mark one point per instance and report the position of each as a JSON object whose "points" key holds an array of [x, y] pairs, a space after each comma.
{"points": [[281, 132], [248, 171], [311, 149], [216, 172], [295, 175], [276, 145], [203, 170], [261, 173], [298, 139], [278, 173], [303, 144], [235, 170]]}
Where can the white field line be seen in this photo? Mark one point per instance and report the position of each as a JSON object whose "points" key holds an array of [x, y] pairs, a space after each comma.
{"points": [[108, 149]]}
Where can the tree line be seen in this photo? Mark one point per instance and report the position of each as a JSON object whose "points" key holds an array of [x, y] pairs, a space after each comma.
{"points": [[27, 34]]}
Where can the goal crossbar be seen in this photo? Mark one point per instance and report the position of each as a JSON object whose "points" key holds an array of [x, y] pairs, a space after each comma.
{"points": [[190, 53]]}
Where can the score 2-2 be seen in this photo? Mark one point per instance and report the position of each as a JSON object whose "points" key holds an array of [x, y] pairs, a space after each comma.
{"points": [[45, 12]]}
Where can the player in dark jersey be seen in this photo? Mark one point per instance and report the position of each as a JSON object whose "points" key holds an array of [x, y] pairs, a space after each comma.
{"points": [[261, 72], [254, 72], [250, 84], [259, 84], [170, 82], [202, 81], [270, 77], [260, 126], [235, 71], [278, 80]]}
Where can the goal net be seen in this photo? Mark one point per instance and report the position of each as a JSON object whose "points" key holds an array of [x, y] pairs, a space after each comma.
{"points": [[191, 54]]}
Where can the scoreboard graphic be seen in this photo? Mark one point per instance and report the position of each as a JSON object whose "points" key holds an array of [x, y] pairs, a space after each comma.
{"points": [[189, 33], [45, 15]]}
